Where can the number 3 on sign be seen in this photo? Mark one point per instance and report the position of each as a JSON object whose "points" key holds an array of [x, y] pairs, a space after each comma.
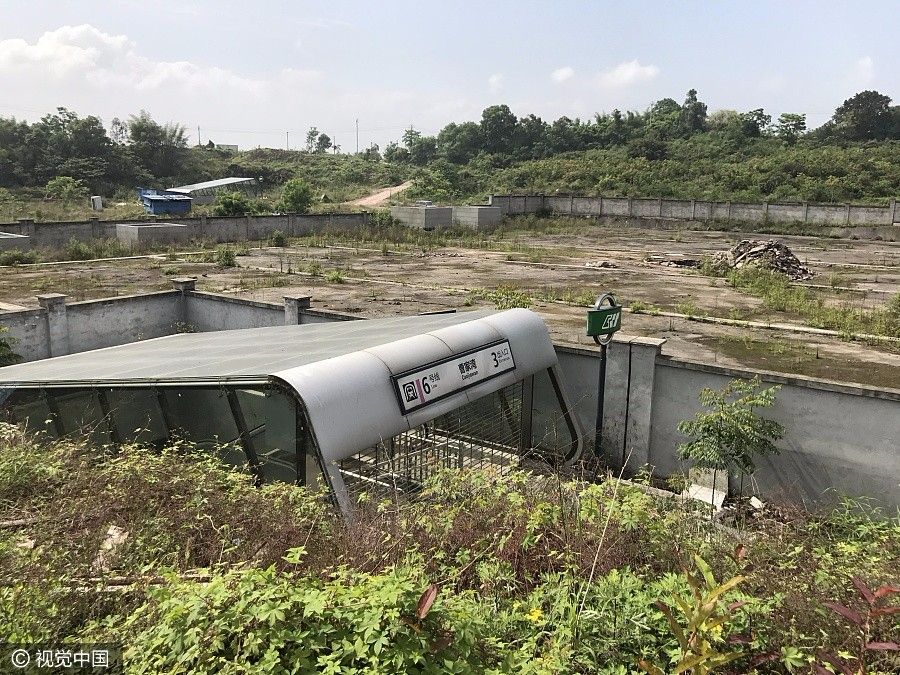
{"points": [[496, 362]]}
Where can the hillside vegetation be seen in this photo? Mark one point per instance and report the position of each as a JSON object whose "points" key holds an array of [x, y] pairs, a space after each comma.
{"points": [[191, 568], [671, 149]]}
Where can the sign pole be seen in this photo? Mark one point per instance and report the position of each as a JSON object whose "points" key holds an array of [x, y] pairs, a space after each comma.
{"points": [[603, 320], [601, 394]]}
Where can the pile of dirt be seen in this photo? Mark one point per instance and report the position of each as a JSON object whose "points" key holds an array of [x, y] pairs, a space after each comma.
{"points": [[768, 255]]}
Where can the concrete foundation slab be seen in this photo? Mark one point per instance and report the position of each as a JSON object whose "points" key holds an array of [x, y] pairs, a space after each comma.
{"points": [[153, 233], [476, 216], [423, 217]]}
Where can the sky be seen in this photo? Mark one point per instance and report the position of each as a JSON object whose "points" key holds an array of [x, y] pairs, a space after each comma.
{"points": [[262, 73]]}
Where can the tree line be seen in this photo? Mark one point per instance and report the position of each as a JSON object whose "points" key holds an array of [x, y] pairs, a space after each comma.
{"points": [[866, 116], [461, 159]]}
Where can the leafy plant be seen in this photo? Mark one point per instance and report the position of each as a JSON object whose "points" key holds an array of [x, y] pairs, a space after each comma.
{"points": [[702, 627], [278, 238], [296, 196], [232, 204], [730, 435], [334, 277], [875, 608], [226, 257]]}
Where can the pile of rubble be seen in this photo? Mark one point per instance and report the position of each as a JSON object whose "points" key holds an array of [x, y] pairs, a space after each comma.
{"points": [[768, 255]]}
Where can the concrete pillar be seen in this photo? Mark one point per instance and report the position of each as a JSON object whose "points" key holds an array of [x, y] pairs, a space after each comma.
{"points": [[26, 227], [57, 323], [636, 441], [600, 212], [293, 308], [893, 211], [659, 207], [765, 212], [630, 206], [805, 212], [848, 214], [728, 210], [572, 204], [693, 209], [185, 284], [96, 229]]}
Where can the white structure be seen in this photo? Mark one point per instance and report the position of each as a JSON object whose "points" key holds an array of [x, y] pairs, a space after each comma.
{"points": [[205, 193], [348, 406]]}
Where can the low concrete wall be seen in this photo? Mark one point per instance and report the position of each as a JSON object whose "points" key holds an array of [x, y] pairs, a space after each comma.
{"points": [[476, 216], [215, 229], [150, 234], [839, 439], [94, 324], [423, 217], [682, 209], [29, 333]]}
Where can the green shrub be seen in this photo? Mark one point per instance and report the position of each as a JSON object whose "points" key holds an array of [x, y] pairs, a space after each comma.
{"points": [[334, 277], [296, 196], [18, 257], [226, 257], [278, 238], [232, 204]]}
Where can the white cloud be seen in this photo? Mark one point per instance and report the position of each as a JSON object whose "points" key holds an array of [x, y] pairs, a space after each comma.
{"points": [[865, 70], [93, 72], [562, 74], [84, 53], [495, 82], [626, 74]]}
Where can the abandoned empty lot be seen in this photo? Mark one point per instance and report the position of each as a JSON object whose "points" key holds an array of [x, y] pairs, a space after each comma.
{"points": [[837, 325]]}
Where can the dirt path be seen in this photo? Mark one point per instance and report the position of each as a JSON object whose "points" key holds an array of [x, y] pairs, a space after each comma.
{"points": [[378, 198]]}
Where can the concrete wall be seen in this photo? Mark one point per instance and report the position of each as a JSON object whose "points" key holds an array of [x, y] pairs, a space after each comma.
{"points": [[838, 438], [423, 217], [29, 333], [476, 216], [9, 241], [94, 324], [215, 229], [680, 209]]}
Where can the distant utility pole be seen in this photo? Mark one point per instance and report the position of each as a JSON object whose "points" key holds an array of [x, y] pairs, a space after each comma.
{"points": [[357, 135], [198, 134], [287, 140]]}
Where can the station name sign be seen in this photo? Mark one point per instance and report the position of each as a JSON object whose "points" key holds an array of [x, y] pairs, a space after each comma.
{"points": [[418, 388]]}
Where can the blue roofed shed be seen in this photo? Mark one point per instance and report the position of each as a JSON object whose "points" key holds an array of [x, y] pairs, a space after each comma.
{"points": [[160, 202]]}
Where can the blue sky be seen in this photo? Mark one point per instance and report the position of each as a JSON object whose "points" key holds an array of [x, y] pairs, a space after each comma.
{"points": [[247, 72]]}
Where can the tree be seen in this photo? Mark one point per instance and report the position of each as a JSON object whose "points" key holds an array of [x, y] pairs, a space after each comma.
{"points": [[650, 147], [118, 131], [790, 127], [371, 154], [323, 143], [755, 123], [729, 435], [693, 114], [459, 143], [498, 129], [863, 117], [65, 188], [296, 196], [395, 154], [312, 136], [159, 149], [232, 204]]}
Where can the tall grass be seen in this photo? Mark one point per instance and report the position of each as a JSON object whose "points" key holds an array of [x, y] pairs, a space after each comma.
{"points": [[778, 294]]}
